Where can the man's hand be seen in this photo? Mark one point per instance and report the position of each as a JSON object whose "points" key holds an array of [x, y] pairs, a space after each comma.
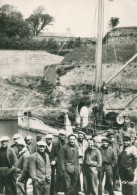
{"points": [[53, 162]]}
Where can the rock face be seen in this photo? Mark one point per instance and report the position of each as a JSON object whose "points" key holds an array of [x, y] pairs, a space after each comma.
{"points": [[122, 35]]}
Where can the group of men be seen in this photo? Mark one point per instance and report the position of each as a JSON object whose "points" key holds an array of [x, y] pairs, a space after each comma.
{"points": [[68, 165]]}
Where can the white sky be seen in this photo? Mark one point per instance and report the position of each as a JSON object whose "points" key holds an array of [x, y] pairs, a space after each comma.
{"points": [[78, 15]]}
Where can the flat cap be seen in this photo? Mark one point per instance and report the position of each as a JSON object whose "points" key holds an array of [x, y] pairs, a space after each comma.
{"points": [[4, 138], [41, 143], [105, 139], [63, 132], [81, 132], [39, 135], [49, 136], [21, 142], [111, 134], [29, 137], [126, 138], [16, 136]]}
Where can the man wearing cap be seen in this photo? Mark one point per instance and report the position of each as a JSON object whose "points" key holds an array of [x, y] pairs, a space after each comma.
{"points": [[127, 163], [82, 146], [115, 147], [70, 166], [31, 146], [108, 162], [22, 166], [49, 151], [40, 170], [38, 137], [14, 146], [57, 154], [92, 161], [8, 163]]}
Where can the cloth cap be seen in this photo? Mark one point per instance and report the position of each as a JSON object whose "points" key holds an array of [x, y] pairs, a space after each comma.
{"points": [[105, 139], [28, 137], [49, 136], [81, 132], [41, 143], [126, 138], [16, 136], [4, 138], [63, 132], [39, 135], [110, 135], [21, 142]]}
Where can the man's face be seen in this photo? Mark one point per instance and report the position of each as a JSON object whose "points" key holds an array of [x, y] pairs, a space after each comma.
{"points": [[4, 144], [72, 140], [80, 137], [28, 141], [39, 139], [91, 144], [19, 147], [62, 137], [105, 143], [48, 141], [126, 142], [111, 138], [41, 148]]}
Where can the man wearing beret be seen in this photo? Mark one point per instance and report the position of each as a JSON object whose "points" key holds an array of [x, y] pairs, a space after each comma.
{"points": [[108, 162], [8, 163], [40, 170], [127, 163]]}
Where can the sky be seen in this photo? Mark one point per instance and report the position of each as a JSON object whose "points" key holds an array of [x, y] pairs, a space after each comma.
{"points": [[79, 15]]}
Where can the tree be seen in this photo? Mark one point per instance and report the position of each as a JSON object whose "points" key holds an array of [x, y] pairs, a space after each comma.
{"points": [[39, 20], [12, 23], [114, 21]]}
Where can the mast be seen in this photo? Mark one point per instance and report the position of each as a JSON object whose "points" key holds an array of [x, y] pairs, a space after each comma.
{"points": [[98, 75], [98, 96]]}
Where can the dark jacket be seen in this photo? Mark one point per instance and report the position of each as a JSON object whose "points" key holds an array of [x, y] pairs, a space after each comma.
{"points": [[93, 155], [115, 147], [128, 158], [38, 170], [12, 157], [70, 159], [22, 165], [108, 156]]}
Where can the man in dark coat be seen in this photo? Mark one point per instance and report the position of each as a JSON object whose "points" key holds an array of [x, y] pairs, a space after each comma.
{"points": [[114, 145], [127, 163], [56, 158], [70, 166], [49, 150], [8, 163], [40, 170], [92, 161], [108, 162], [22, 166]]}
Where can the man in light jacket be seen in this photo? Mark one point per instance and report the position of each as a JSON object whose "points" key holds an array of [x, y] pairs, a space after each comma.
{"points": [[40, 170]]}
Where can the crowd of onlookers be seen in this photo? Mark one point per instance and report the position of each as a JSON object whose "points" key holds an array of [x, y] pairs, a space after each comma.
{"points": [[69, 165]]}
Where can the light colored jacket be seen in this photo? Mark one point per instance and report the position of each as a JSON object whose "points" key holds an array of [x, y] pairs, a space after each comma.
{"points": [[38, 170]]}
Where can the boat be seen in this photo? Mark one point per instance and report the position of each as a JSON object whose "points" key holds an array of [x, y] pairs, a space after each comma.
{"points": [[99, 120]]}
